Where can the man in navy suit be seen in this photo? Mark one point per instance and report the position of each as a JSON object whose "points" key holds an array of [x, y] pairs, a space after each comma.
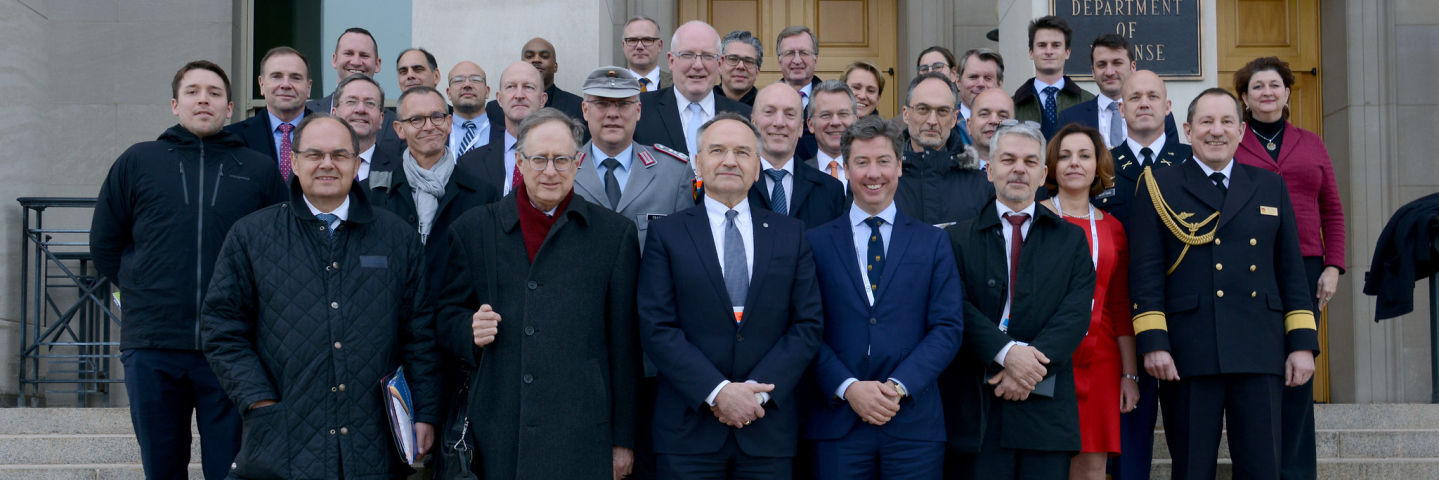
{"points": [[1112, 63], [730, 315], [893, 316], [787, 186], [670, 116], [285, 83]]}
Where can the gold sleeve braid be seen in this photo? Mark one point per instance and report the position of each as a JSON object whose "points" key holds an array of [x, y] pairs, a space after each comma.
{"points": [[1174, 220]]}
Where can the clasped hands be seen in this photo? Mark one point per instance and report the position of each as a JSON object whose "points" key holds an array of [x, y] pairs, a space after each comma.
{"points": [[1023, 369], [736, 404], [875, 403]]}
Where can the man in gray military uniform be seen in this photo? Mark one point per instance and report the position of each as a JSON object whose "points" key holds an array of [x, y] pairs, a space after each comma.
{"points": [[638, 181]]}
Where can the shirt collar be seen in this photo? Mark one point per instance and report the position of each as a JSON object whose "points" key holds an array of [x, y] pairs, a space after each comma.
{"points": [[1227, 171], [1155, 147], [1003, 209], [823, 159], [788, 166], [1039, 85], [276, 120], [716, 210], [368, 154], [707, 104], [808, 89], [1102, 101], [459, 122], [510, 142], [626, 158], [343, 211], [857, 215], [654, 77], [964, 111]]}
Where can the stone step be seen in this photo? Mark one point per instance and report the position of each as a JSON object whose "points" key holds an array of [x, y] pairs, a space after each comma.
{"points": [[42, 421], [1376, 416], [1375, 444], [75, 449], [111, 471], [1335, 469]]}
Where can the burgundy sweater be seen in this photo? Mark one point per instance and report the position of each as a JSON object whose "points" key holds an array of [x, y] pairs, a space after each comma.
{"points": [[1307, 171], [534, 224]]}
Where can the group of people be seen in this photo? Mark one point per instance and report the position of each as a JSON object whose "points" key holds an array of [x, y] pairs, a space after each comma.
{"points": [[680, 274]]}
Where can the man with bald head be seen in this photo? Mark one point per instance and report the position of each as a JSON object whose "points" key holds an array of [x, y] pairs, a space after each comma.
{"points": [[540, 54], [786, 186], [988, 109], [669, 117], [1145, 106], [942, 182], [468, 89], [521, 91]]}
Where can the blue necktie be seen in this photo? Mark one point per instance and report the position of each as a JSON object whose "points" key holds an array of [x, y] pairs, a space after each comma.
{"points": [[469, 137], [693, 127], [1116, 125], [964, 131], [777, 202], [1051, 110], [876, 252], [736, 263], [329, 219]]}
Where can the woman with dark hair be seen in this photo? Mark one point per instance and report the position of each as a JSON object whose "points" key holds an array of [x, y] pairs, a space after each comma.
{"points": [[1105, 371], [1299, 156]]}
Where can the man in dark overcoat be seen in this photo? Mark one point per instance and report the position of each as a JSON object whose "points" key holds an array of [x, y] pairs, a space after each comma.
{"points": [[539, 303]]}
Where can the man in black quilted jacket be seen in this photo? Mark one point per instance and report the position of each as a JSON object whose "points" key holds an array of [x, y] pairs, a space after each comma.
{"points": [[313, 303], [159, 220]]}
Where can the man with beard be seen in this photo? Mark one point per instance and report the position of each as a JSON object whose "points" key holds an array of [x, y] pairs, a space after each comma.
{"points": [[643, 45], [360, 101], [1010, 404], [942, 182], [743, 55], [521, 92], [790, 187], [468, 91], [356, 52], [285, 83]]}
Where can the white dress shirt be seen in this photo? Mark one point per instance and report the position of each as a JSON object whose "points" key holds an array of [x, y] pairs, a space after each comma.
{"points": [[823, 159], [457, 133], [364, 171], [1154, 148], [744, 222], [963, 111], [707, 110], [653, 76], [342, 211], [805, 93], [1228, 170], [788, 181], [1103, 103], [1009, 237], [510, 163]]}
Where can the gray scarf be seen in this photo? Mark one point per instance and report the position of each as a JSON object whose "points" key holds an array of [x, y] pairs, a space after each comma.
{"points": [[429, 186]]}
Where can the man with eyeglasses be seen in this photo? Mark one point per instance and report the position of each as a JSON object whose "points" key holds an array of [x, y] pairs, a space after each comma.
{"points": [[357, 53], [470, 128], [521, 92], [742, 55], [1041, 98], [540, 303], [669, 117], [942, 182], [940, 59], [360, 101], [830, 114], [643, 45], [313, 302], [285, 83], [798, 51]]}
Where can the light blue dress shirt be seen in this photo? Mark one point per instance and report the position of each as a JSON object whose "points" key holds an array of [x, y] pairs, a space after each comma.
{"points": [[626, 158], [457, 132], [276, 135]]}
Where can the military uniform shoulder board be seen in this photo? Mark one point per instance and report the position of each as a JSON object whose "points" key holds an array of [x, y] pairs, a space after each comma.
{"points": [[647, 159], [580, 160], [672, 152], [380, 179]]}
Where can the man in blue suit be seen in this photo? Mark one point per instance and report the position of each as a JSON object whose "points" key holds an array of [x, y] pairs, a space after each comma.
{"points": [[730, 315], [893, 315]]}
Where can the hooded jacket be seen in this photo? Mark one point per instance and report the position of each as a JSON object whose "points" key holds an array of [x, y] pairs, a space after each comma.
{"points": [[942, 187], [160, 219]]}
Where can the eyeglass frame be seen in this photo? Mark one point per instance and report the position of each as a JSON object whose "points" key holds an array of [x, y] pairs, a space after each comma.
{"points": [[933, 67], [692, 56], [323, 155], [750, 63], [646, 41], [802, 53], [437, 119], [470, 79], [530, 161]]}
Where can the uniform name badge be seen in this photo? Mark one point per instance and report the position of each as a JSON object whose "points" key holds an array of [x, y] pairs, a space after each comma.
{"points": [[738, 314], [1271, 211], [1004, 325]]}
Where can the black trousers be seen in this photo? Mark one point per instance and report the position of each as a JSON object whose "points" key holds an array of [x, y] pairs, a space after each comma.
{"points": [[165, 387], [1203, 405], [644, 468], [1296, 445], [730, 462], [1000, 463]]}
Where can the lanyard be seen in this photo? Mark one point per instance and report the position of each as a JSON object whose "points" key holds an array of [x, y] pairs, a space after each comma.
{"points": [[1093, 232]]}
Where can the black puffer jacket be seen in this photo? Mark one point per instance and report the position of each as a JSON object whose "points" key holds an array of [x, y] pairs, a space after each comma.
{"points": [[159, 220], [943, 186], [314, 325]]}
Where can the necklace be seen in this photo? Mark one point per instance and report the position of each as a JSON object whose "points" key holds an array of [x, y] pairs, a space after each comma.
{"points": [[1271, 146], [1055, 201]]}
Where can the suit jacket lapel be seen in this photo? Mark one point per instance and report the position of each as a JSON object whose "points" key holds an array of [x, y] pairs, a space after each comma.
{"points": [[587, 176], [763, 251], [898, 246], [1126, 163], [640, 177], [1291, 133], [803, 183], [698, 226], [496, 164], [1202, 187], [670, 117], [843, 236], [1241, 187]]}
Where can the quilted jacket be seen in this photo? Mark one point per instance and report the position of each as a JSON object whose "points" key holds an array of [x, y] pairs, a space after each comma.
{"points": [[292, 316]]}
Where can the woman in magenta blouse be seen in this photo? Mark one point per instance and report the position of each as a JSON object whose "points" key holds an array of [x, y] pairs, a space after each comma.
{"points": [[1299, 156]]}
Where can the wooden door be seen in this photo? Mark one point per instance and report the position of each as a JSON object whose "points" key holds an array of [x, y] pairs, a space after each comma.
{"points": [[848, 30], [1288, 29]]}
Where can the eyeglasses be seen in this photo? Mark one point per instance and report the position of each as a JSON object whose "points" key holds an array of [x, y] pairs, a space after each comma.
{"points": [[538, 163], [646, 41], [749, 62], [313, 155], [936, 66], [924, 110], [1014, 122], [607, 104], [739, 153], [792, 53], [354, 102], [418, 121], [475, 79], [826, 116], [691, 56]]}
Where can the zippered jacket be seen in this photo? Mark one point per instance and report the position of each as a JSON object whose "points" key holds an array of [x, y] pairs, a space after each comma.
{"points": [[160, 219]]}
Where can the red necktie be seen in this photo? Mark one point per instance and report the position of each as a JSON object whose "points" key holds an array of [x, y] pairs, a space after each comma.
{"points": [[1016, 220], [516, 178], [285, 167]]}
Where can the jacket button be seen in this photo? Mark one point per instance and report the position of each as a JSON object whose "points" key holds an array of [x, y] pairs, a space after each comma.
{"points": [[529, 330], [412, 219], [739, 338], [1253, 241], [1252, 267], [1253, 294], [327, 269], [342, 387], [336, 265], [332, 431], [1219, 266], [332, 389], [1217, 242], [344, 431], [337, 345], [334, 304], [873, 321], [1220, 293], [532, 285], [529, 378], [991, 282]]}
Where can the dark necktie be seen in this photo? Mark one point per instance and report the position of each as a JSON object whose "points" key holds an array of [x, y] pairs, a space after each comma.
{"points": [[1219, 182], [777, 202], [469, 137], [736, 265], [876, 252], [285, 146], [329, 219], [1051, 109], [1016, 240], [612, 185], [644, 84], [516, 178], [1148, 156]]}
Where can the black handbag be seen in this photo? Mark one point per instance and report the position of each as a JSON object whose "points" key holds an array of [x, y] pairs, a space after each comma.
{"points": [[457, 451]]}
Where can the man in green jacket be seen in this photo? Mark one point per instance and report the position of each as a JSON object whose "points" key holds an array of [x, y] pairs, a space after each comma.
{"points": [[1041, 98]]}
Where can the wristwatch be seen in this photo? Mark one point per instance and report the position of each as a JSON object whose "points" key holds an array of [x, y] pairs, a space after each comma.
{"points": [[1131, 377], [900, 388]]}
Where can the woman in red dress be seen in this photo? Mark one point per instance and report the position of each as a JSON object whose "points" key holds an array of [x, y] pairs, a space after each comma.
{"points": [[1104, 365]]}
